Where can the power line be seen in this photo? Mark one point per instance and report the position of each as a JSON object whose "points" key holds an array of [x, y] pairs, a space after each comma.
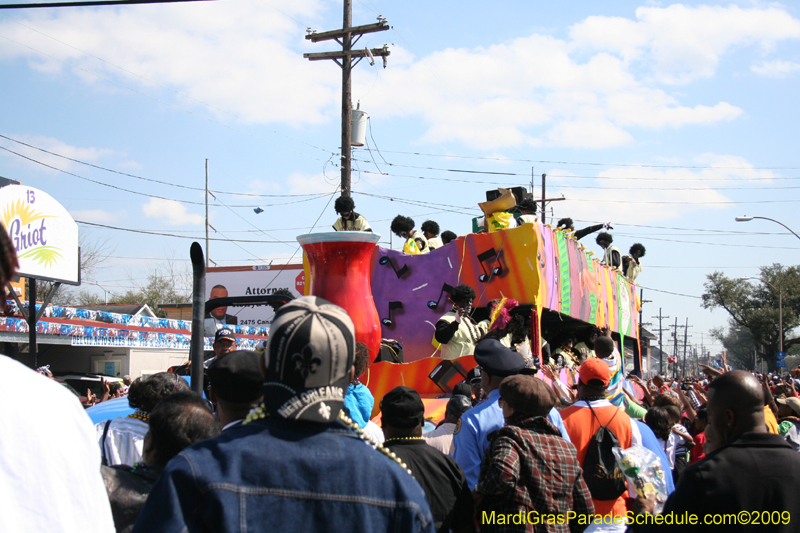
{"points": [[172, 234], [417, 203], [247, 221], [151, 195], [549, 162], [151, 179], [724, 244], [571, 176], [668, 292], [96, 3], [723, 202], [312, 227], [567, 186], [679, 229]]}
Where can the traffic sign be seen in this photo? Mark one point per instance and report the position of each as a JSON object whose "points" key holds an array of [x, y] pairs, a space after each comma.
{"points": [[781, 364], [781, 356]]}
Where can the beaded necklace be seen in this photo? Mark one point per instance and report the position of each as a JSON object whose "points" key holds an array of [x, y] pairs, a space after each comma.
{"points": [[398, 439], [260, 412], [470, 324], [588, 399], [140, 415]]}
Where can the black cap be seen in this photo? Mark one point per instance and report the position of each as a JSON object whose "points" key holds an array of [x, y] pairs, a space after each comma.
{"points": [[402, 407], [498, 360], [474, 376], [224, 333], [457, 406], [308, 358], [237, 377]]}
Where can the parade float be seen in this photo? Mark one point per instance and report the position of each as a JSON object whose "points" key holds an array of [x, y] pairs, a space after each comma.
{"points": [[391, 295]]}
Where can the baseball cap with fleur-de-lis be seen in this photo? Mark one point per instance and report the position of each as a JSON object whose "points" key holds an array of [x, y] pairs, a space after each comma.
{"points": [[308, 359]]}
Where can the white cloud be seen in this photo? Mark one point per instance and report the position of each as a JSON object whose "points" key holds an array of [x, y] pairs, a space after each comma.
{"points": [[652, 194], [56, 146], [98, 215], [683, 43], [776, 69], [313, 184], [244, 58], [172, 212], [592, 89], [588, 133]]}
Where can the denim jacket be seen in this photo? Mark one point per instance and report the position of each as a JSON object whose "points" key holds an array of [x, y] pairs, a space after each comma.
{"points": [[276, 475]]}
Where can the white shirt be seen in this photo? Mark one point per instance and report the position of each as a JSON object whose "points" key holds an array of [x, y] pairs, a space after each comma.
{"points": [[124, 442], [49, 460], [441, 438], [671, 446], [374, 431]]}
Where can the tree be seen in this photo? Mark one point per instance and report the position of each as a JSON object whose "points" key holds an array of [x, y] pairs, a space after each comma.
{"points": [[739, 344], [94, 252], [754, 306], [167, 284]]}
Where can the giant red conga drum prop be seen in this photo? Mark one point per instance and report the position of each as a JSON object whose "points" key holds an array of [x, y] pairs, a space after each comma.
{"points": [[340, 263]]}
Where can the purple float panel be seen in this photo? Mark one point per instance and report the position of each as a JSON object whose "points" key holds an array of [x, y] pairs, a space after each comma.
{"points": [[414, 281]]}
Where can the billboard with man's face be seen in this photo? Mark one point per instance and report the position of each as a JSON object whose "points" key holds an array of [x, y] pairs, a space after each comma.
{"points": [[251, 281]]}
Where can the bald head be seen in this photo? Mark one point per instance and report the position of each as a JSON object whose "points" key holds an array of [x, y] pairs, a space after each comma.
{"points": [[738, 391], [735, 405], [603, 347]]}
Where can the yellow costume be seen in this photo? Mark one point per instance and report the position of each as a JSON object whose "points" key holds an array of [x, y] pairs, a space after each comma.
{"points": [[583, 349], [467, 334], [570, 358], [358, 224], [633, 271], [499, 221], [434, 243], [416, 244]]}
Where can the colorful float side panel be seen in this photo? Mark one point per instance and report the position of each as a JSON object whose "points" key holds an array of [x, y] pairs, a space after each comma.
{"points": [[532, 263]]}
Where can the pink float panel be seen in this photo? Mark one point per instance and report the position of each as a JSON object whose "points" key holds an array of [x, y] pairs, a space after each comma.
{"points": [[340, 267]]}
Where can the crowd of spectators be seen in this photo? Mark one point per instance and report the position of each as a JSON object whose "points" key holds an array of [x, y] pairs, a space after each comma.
{"points": [[287, 440]]}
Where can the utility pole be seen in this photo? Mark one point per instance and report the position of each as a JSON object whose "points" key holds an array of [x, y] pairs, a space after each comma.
{"points": [[685, 338], [532, 176], [660, 317], [344, 59], [675, 349], [207, 252], [641, 325], [544, 209]]}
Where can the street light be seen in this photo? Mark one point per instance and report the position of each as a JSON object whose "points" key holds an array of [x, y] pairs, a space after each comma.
{"points": [[105, 292], [779, 290], [748, 219]]}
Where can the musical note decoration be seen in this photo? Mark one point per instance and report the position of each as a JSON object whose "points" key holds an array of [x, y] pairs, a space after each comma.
{"points": [[388, 322], [386, 260], [433, 304], [496, 271]]}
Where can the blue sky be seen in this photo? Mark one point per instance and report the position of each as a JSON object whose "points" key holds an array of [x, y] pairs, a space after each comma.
{"points": [[666, 119]]}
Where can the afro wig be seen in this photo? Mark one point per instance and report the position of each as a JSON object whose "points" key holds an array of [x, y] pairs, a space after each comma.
{"points": [[429, 226], [344, 204], [637, 247], [462, 293], [566, 223], [603, 236], [402, 224]]}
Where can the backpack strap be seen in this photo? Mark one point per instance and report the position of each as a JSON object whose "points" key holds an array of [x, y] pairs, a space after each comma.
{"points": [[104, 461], [589, 403]]}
